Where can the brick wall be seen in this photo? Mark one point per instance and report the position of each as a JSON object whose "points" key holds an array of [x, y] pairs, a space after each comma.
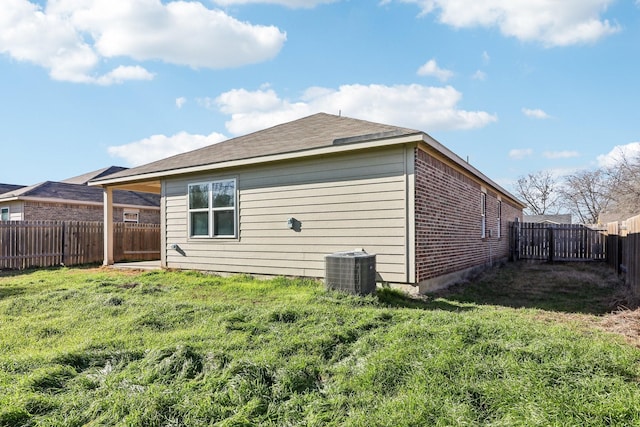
{"points": [[148, 216], [39, 211], [448, 221]]}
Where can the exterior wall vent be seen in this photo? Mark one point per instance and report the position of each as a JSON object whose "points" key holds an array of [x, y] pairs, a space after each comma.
{"points": [[351, 271]]}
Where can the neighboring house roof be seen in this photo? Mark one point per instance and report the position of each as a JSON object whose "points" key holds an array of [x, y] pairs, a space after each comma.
{"points": [[69, 193], [86, 177], [5, 188], [549, 219]]}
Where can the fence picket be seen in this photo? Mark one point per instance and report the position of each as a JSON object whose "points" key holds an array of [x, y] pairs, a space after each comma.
{"points": [[559, 242]]}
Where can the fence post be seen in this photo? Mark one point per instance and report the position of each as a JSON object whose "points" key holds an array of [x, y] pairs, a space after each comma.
{"points": [[514, 240], [552, 244], [517, 239], [63, 243]]}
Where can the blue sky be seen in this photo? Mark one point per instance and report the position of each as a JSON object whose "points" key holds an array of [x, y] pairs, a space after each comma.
{"points": [[517, 87]]}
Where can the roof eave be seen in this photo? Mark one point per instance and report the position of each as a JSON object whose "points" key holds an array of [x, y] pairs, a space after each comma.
{"points": [[331, 149], [339, 147], [469, 167], [75, 202]]}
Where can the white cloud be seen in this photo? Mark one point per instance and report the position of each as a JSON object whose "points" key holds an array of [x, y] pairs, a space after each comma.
{"points": [[183, 33], [122, 73], [560, 154], [553, 23], [479, 75], [294, 4], [71, 38], [535, 113], [486, 58], [180, 102], [415, 106], [430, 68], [159, 147], [560, 173], [29, 34], [618, 153], [520, 153]]}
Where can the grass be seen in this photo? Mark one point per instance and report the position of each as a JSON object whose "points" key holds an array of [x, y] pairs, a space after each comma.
{"points": [[588, 288], [100, 347]]}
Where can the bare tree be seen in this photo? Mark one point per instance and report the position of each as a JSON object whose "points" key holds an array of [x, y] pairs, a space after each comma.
{"points": [[587, 194], [624, 185], [540, 192]]}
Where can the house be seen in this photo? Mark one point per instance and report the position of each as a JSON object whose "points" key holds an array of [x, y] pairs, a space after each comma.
{"points": [[276, 201], [73, 199], [548, 219], [5, 188]]}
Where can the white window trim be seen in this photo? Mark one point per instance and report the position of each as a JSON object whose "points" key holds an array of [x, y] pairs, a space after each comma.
{"points": [[135, 212], [483, 214], [8, 211], [210, 210]]}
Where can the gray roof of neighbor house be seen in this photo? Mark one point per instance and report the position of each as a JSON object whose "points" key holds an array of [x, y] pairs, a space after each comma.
{"points": [[80, 193], [86, 177], [552, 219], [5, 188], [316, 131]]}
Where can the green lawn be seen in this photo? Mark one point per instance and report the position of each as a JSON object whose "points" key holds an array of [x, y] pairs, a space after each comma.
{"points": [[101, 347]]}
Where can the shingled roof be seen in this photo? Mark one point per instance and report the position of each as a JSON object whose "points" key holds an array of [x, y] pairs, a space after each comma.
{"points": [[6, 188], [86, 177], [80, 193], [316, 131]]}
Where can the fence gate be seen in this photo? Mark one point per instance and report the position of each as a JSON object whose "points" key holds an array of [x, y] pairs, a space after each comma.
{"points": [[556, 242]]}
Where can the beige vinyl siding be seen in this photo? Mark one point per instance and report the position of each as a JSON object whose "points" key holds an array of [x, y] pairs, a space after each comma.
{"points": [[16, 210], [342, 202]]}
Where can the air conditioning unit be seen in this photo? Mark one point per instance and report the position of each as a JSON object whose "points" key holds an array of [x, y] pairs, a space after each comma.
{"points": [[351, 271]]}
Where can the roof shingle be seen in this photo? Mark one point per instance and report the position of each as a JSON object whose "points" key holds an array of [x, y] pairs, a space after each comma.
{"points": [[86, 177], [316, 131], [6, 188], [82, 193]]}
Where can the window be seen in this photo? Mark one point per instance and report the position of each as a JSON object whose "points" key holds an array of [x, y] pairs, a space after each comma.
{"points": [[212, 209], [499, 219], [483, 213], [4, 214], [131, 216]]}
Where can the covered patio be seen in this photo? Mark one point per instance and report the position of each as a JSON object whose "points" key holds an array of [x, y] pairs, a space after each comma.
{"points": [[152, 186]]}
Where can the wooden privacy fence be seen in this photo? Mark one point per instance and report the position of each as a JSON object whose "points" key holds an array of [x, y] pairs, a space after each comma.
{"points": [[556, 242], [31, 244], [617, 243], [623, 239], [614, 245]]}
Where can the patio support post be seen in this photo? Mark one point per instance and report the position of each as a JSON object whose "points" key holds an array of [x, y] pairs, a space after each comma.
{"points": [[108, 225]]}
